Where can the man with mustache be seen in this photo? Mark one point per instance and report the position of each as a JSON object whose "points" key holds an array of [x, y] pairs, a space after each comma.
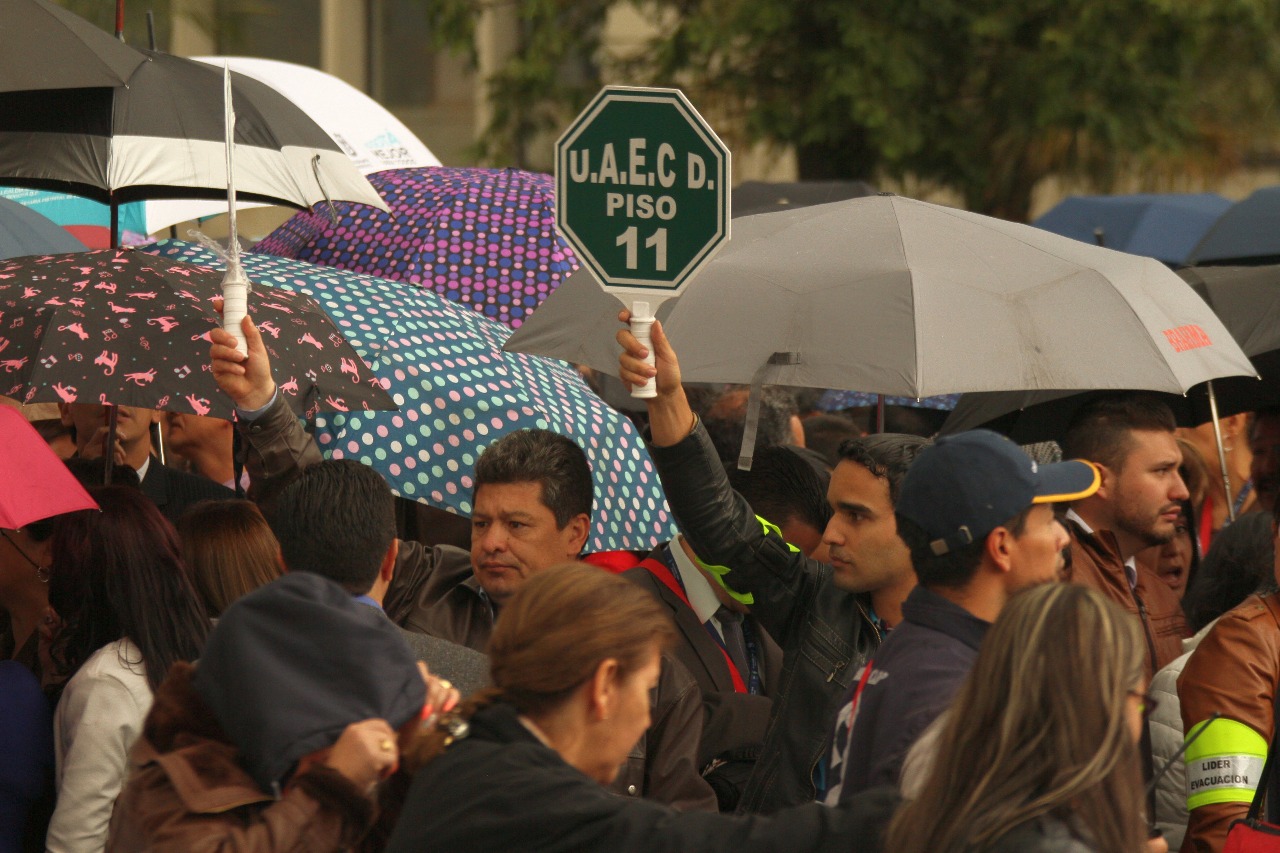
{"points": [[1131, 439]]}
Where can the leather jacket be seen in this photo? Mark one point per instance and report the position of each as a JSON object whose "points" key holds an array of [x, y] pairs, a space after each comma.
{"points": [[1234, 671], [187, 792], [1095, 562], [825, 633]]}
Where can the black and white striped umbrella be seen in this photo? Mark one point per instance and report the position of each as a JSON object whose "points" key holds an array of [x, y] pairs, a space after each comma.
{"points": [[161, 135]]}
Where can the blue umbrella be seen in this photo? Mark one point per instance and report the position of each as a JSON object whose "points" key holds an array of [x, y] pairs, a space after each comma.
{"points": [[1164, 226], [25, 232], [1248, 233], [835, 401], [458, 392]]}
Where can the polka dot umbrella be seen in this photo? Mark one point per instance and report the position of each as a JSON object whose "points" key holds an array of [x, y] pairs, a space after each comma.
{"points": [[458, 391], [481, 237]]}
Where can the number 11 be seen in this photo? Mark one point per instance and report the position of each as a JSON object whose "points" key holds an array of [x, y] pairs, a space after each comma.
{"points": [[657, 242]]}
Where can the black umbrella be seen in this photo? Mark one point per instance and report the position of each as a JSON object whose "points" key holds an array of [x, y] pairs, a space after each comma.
{"points": [[43, 46], [162, 136]]}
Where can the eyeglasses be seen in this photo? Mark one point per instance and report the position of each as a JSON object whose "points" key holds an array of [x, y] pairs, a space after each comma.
{"points": [[1147, 703]]}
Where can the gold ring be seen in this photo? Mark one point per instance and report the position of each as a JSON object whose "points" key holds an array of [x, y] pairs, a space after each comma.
{"points": [[385, 746], [446, 684]]}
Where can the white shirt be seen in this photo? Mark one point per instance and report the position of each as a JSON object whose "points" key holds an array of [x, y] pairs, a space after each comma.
{"points": [[1130, 565], [702, 598], [98, 718]]}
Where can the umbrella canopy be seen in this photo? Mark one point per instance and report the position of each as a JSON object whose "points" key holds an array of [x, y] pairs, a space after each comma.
{"points": [[752, 197], [162, 135], [482, 237], [34, 484], [895, 296], [127, 328], [458, 393], [1249, 232], [365, 130], [86, 220], [1245, 299], [25, 232], [1164, 226], [43, 46]]}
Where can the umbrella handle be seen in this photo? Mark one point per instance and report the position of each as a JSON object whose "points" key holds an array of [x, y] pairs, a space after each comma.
{"points": [[641, 324]]}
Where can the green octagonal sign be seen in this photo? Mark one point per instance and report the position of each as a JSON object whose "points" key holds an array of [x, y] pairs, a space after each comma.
{"points": [[642, 189]]}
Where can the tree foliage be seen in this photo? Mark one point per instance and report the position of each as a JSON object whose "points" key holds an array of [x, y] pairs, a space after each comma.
{"points": [[984, 97]]}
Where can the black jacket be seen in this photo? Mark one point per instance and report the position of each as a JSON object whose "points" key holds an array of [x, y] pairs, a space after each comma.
{"points": [[826, 634], [913, 679], [500, 788], [173, 491]]}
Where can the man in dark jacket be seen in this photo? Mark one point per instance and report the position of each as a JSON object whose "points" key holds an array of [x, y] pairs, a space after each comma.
{"points": [[827, 617], [977, 514], [531, 510]]}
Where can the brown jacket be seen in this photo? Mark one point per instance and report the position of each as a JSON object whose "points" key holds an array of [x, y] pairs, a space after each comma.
{"points": [[188, 794], [1095, 562], [1234, 671]]}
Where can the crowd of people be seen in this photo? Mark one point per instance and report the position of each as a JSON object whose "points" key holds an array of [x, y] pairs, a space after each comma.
{"points": [[866, 642]]}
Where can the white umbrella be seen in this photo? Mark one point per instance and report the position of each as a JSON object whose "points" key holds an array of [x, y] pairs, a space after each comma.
{"points": [[366, 131]]}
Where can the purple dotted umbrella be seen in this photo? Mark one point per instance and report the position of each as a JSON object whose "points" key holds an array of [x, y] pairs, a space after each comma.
{"points": [[458, 392], [484, 238]]}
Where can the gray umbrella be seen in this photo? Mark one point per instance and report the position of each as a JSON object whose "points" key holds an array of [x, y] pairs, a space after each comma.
{"points": [[889, 295], [25, 232]]}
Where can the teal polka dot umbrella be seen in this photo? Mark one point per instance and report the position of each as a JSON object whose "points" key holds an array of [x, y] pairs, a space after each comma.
{"points": [[458, 391]]}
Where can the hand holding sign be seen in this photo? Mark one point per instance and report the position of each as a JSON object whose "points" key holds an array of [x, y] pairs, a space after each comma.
{"points": [[642, 195]]}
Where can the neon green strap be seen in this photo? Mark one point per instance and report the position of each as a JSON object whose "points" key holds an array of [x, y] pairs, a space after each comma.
{"points": [[720, 571], [1224, 763]]}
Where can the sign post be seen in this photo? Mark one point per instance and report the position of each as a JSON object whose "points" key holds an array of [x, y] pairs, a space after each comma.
{"points": [[643, 196]]}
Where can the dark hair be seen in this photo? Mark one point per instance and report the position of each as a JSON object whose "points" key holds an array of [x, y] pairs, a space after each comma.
{"points": [[888, 455], [825, 433], [725, 419], [541, 456], [229, 551], [1240, 561], [91, 472], [957, 566], [117, 573], [1261, 414], [1100, 430], [781, 486], [555, 632], [336, 520]]}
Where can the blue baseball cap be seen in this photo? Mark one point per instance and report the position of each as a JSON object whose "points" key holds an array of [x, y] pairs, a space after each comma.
{"points": [[966, 485]]}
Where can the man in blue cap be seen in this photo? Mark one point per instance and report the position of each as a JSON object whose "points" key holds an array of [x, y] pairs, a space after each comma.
{"points": [[977, 515]]}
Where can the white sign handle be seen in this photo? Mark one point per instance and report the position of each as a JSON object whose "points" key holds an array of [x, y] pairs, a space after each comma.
{"points": [[641, 322]]}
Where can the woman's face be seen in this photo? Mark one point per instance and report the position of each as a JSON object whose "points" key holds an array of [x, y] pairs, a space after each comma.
{"points": [[1173, 562], [627, 720]]}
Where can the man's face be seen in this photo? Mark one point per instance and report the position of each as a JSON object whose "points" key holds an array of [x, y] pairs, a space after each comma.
{"points": [[514, 535], [1265, 445], [132, 424], [189, 433], [1144, 494], [866, 552], [1036, 555]]}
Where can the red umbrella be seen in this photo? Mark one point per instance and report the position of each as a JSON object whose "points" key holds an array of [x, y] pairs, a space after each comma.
{"points": [[34, 484]]}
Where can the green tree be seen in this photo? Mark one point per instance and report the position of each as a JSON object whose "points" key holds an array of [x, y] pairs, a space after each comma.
{"points": [[984, 97]]}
